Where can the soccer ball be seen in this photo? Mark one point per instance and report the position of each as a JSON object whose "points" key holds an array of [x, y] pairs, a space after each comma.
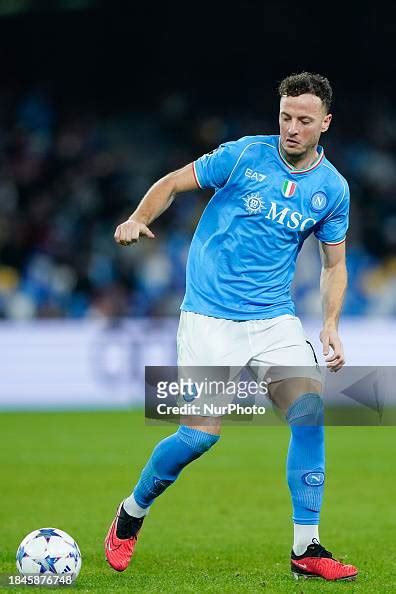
{"points": [[49, 551]]}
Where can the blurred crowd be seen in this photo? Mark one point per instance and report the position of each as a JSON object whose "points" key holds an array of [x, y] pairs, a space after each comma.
{"points": [[68, 176]]}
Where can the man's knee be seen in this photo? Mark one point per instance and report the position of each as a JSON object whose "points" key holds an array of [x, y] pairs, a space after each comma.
{"points": [[308, 410], [210, 425], [199, 441]]}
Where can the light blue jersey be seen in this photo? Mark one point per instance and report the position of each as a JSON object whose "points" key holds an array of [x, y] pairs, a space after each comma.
{"points": [[243, 254]]}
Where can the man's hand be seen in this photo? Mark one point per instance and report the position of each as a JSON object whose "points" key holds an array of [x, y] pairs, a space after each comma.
{"points": [[130, 231], [330, 340]]}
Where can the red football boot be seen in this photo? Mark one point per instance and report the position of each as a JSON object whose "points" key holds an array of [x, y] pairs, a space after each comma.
{"points": [[119, 551], [317, 562]]}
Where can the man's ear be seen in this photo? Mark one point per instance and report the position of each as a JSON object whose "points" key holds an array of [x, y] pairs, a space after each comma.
{"points": [[326, 122]]}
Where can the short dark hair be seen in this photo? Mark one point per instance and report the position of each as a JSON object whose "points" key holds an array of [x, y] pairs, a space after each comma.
{"points": [[306, 82]]}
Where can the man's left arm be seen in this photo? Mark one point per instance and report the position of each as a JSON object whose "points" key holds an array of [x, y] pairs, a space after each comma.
{"points": [[333, 284]]}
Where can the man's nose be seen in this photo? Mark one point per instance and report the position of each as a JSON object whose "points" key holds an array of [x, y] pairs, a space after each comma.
{"points": [[293, 127]]}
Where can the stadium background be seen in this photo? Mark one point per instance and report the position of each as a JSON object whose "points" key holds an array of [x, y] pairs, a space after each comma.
{"points": [[98, 100], [96, 104]]}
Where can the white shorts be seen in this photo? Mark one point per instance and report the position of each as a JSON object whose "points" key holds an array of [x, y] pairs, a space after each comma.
{"points": [[277, 347]]}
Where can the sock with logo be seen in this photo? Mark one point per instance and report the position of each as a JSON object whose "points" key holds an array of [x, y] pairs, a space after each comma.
{"points": [[306, 463], [167, 460]]}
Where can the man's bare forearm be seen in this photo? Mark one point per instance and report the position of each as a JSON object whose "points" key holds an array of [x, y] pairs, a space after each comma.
{"points": [[161, 194], [158, 198], [333, 284]]}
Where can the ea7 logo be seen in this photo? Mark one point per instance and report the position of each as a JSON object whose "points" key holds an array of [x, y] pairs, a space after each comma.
{"points": [[255, 175]]}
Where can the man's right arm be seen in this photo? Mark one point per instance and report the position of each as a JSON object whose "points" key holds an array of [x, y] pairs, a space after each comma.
{"points": [[158, 198]]}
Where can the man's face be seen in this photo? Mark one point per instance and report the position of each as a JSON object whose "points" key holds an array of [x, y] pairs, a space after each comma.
{"points": [[302, 119]]}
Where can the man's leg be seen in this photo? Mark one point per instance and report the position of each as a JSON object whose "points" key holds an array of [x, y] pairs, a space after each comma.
{"points": [[306, 467], [295, 388], [202, 342], [300, 400], [193, 438]]}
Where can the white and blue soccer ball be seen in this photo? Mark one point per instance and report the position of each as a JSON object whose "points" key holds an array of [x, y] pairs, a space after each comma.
{"points": [[49, 551]]}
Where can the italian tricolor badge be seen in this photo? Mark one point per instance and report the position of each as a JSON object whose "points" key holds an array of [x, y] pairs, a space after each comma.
{"points": [[288, 188]]}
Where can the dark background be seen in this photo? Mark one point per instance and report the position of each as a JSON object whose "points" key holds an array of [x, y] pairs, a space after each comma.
{"points": [[127, 54]]}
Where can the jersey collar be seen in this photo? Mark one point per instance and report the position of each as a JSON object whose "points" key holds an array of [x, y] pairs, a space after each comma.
{"points": [[314, 165]]}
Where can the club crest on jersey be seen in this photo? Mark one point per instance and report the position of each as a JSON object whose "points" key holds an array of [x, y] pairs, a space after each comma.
{"points": [[319, 201], [288, 188], [253, 203]]}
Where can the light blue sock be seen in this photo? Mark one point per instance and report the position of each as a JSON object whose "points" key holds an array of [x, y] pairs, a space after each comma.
{"points": [[306, 458], [168, 459]]}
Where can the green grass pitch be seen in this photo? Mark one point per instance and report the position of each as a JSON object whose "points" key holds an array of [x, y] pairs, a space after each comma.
{"points": [[223, 527]]}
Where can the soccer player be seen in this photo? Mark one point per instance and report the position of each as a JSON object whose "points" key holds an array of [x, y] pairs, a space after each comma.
{"points": [[270, 194]]}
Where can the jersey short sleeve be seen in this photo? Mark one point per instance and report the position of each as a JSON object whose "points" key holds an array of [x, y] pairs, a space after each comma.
{"points": [[333, 228], [213, 169]]}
